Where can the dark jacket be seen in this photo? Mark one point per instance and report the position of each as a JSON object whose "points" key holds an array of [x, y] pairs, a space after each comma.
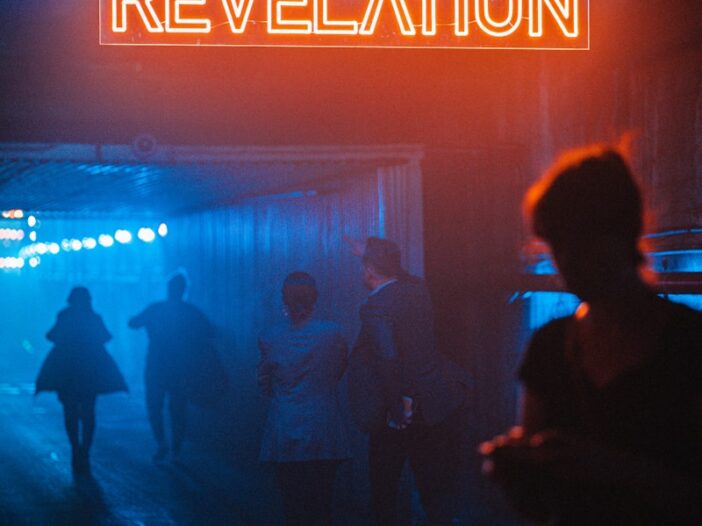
{"points": [[78, 365], [395, 355]]}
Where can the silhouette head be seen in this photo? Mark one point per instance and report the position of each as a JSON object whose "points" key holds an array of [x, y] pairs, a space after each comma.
{"points": [[588, 208], [176, 287], [381, 261], [299, 295], [79, 297]]}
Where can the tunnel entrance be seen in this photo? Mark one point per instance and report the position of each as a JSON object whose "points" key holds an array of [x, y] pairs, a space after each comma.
{"points": [[119, 219]]}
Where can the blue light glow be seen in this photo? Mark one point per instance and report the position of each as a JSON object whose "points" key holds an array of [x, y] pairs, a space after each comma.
{"points": [[147, 235], [677, 261], [123, 236], [106, 240], [543, 307], [89, 243]]}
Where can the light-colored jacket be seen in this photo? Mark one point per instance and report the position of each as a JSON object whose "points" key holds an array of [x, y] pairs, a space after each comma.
{"points": [[300, 369]]}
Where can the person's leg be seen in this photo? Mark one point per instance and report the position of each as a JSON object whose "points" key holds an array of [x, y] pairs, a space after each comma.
{"points": [[155, 396], [87, 416], [178, 409], [434, 454], [291, 482], [70, 420], [321, 482], [387, 453]]}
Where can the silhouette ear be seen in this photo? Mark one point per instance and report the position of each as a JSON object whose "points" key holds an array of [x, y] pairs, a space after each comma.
{"points": [[358, 247]]}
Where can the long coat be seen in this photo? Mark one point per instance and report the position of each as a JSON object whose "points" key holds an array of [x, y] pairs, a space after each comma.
{"points": [[300, 369], [78, 364]]}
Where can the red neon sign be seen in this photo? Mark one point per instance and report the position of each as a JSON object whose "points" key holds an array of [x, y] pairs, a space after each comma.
{"points": [[459, 24]]}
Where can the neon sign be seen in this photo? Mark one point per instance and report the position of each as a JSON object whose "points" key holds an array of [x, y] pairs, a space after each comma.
{"points": [[459, 24]]}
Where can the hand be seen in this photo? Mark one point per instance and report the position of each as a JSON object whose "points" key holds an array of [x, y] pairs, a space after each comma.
{"points": [[402, 418], [357, 247], [508, 461]]}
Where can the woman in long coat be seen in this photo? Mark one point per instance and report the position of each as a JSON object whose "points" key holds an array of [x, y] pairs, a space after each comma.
{"points": [[79, 368], [305, 435]]}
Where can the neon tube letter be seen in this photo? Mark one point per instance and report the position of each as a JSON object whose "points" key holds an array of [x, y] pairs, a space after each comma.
{"points": [[461, 17], [563, 12], [277, 24], [495, 28], [145, 10], [370, 19], [178, 24], [237, 12], [429, 17], [331, 27]]}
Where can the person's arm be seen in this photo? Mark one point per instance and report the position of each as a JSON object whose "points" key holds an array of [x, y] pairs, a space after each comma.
{"points": [[382, 341], [103, 334], [534, 412], [54, 333], [140, 320]]}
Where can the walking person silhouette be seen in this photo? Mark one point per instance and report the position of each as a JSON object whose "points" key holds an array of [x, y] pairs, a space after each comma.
{"points": [[178, 334], [79, 369]]}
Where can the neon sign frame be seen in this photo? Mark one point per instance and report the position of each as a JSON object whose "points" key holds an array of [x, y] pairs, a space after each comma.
{"points": [[436, 24]]}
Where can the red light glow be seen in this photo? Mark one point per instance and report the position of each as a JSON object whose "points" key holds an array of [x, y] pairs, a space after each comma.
{"points": [[459, 24]]}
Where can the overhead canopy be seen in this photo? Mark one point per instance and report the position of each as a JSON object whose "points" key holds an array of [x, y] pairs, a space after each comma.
{"points": [[147, 178]]}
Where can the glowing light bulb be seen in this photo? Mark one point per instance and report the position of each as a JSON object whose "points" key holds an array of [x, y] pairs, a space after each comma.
{"points": [[31, 221], [32, 236], [34, 262], [89, 243], [146, 235], [76, 244], [163, 230], [106, 240], [123, 236], [54, 248]]}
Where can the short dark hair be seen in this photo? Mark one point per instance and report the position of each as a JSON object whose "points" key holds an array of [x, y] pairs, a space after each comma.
{"points": [[384, 256], [79, 296], [587, 193], [299, 294]]}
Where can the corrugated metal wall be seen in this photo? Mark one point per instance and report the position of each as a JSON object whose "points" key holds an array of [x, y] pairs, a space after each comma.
{"points": [[238, 257]]}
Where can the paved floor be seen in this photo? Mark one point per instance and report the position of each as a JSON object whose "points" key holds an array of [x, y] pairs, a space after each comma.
{"points": [[37, 487]]}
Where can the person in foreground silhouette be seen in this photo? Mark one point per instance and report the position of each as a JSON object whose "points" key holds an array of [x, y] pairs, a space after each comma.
{"points": [[79, 368], [402, 391], [302, 361], [178, 334], [611, 428]]}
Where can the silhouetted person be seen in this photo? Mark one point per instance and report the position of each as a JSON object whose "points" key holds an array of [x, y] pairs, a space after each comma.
{"points": [[178, 333], [79, 368], [301, 363], [612, 419], [402, 391]]}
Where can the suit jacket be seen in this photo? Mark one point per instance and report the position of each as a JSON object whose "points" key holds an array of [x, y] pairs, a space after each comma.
{"points": [[300, 369], [395, 355]]}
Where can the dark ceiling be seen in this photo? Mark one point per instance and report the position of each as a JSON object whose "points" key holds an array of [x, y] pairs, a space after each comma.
{"points": [[59, 85], [110, 179]]}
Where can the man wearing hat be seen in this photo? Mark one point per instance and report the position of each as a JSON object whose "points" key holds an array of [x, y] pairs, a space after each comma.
{"points": [[401, 390]]}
